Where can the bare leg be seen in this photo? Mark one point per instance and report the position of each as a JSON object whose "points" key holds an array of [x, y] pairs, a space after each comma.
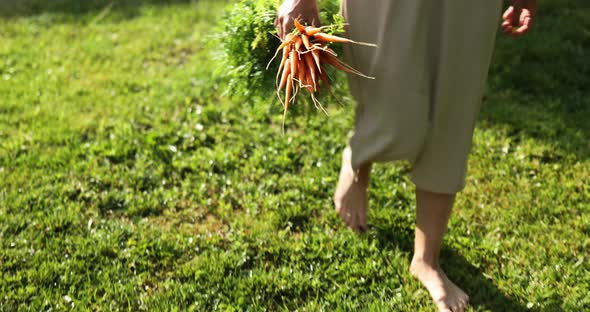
{"points": [[432, 214], [351, 198]]}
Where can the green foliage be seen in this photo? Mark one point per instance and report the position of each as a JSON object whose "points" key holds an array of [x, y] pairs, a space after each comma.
{"points": [[128, 183], [247, 41]]}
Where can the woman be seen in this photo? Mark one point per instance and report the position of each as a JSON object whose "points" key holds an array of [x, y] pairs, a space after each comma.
{"points": [[430, 70]]}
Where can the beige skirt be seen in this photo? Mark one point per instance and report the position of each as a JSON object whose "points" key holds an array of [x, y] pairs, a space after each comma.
{"points": [[430, 68]]}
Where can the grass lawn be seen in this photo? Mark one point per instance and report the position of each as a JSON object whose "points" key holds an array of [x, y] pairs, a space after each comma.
{"points": [[129, 182]]}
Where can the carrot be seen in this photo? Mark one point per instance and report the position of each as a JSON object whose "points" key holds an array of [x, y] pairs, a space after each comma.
{"points": [[324, 78], [298, 43], [308, 85], [288, 90], [293, 58], [315, 101], [310, 30], [311, 69], [316, 57], [322, 37], [326, 83], [299, 27], [301, 72], [282, 65], [339, 65], [287, 98], [318, 46], [305, 40], [286, 43], [285, 75], [289, 37], [326, 49]]}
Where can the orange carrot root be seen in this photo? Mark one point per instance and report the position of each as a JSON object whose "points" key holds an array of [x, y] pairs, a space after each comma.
{"points": [[301, 72], [283, 45], [298, 43], [339, 65], [311, 69], [322, 37], [282, 65], [288, 91], [310, 31], [316, 57], [293, 58], [299, 27], [285, 75], [305, 40]]}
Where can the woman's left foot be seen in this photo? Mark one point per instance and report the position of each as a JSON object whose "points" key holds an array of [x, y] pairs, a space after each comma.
{"points": [[351, 198]]}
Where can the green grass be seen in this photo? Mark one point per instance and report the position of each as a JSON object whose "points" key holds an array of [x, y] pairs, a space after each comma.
{"points": [[127, 182]]}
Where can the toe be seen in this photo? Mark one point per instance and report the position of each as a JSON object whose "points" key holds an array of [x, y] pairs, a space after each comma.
{"points": [[464, 304], [346, 216], [353, 222], [444, 308], [337, 204], [362, 218]]}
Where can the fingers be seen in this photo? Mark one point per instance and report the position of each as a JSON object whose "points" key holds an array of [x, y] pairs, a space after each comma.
{"points": [[525, 22], [287, 26], [508, 17], [519, 27], [508, 14], [463, 304], [460, 306], [353, 221], [278, 22], [283, 26], [362, 226]]}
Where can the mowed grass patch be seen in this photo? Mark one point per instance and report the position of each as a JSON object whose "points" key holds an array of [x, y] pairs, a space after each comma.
{"points": [[128, 182]]}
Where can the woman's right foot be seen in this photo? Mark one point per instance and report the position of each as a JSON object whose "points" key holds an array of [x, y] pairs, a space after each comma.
{"points": [[351, 196], [446, 295]]}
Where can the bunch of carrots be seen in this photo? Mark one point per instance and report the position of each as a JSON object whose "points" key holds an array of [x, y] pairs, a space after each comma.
{"points": [[305, 54]]}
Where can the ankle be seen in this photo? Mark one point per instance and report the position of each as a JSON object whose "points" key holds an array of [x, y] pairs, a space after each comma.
{"points": [[363, 173], [424, 261]]}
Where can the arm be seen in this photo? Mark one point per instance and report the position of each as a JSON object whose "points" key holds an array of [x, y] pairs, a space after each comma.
{"points": [[519, 17], [304, 10]]}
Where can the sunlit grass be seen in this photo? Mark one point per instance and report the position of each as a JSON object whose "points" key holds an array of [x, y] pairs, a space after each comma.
{"points": [[127, 182]]}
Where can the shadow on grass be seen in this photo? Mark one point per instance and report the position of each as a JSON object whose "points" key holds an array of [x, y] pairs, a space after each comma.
{"points": [[538, 84], [482, 291], [126, 8]]}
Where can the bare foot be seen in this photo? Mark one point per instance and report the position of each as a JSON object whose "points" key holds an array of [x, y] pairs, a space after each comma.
{"points": [[351, 198], [446, 295]]}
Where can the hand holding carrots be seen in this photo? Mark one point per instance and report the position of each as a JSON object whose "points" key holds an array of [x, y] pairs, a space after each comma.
{"points": [[302, 10], [305, 53]]}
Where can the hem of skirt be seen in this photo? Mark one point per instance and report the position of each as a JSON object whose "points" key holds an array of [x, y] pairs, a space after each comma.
{"points": [[356, 163], [429, 186]]}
